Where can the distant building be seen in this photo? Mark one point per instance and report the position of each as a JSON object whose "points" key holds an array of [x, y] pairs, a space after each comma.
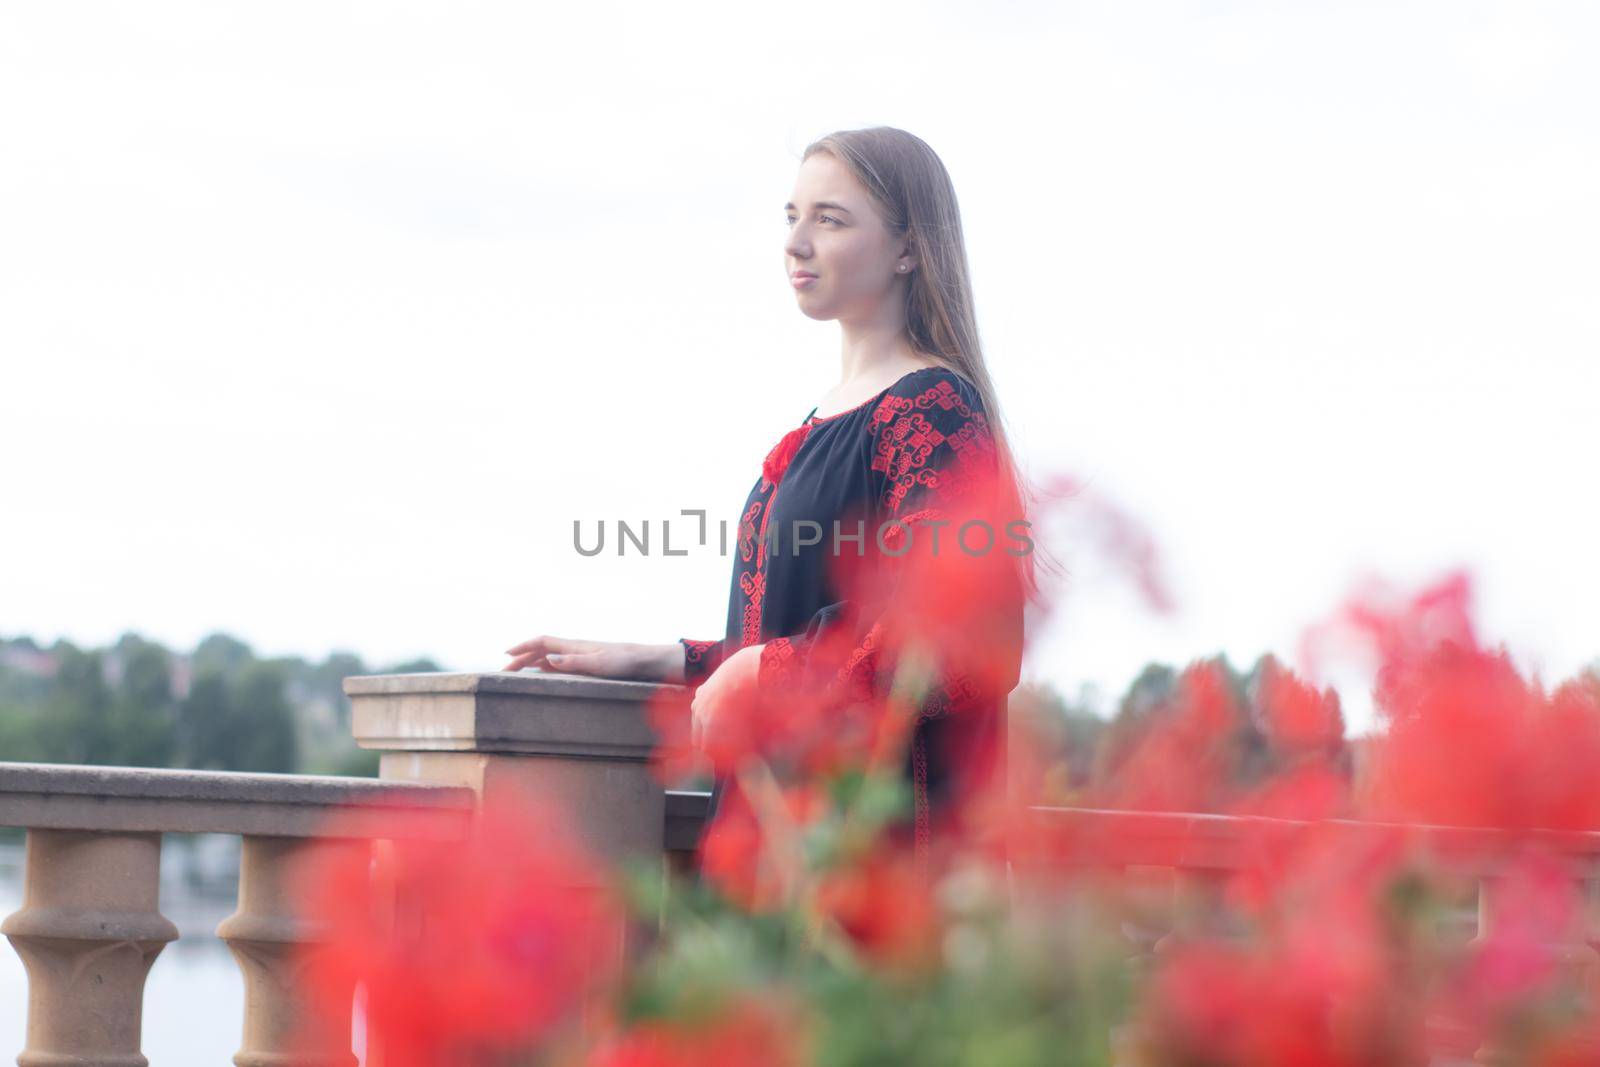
{"points": [[28, 660]]}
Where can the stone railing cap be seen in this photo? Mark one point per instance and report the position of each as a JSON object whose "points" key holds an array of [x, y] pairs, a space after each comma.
{"points": [[63, 796], [528, 682], [258, 788], [525, 713]]}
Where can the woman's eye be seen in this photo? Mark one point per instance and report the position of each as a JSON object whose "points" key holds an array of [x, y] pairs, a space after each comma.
{"points": [[829, 218]]}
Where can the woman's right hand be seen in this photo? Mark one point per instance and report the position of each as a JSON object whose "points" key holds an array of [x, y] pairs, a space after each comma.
{"points": [[599, 659]]}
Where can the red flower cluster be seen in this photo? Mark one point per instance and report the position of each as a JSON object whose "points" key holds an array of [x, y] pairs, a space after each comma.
{"points": [[1469, 741], [465, 947], [1325, 965], [753, 856], [886, 906]]}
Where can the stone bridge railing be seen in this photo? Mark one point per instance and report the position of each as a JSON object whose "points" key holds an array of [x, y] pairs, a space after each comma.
{"points": [[91, 926]]}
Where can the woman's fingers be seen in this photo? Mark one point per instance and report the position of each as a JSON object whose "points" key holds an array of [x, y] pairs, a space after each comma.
{"points": [[536, 651], [578, 662], [546, 643], [529, 653]]}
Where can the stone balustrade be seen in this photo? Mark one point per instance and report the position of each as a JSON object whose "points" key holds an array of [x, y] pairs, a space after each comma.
{"points": [[91, 927]]}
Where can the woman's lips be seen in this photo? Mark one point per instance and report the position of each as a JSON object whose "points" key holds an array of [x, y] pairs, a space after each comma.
{"points": [[800, 281]]}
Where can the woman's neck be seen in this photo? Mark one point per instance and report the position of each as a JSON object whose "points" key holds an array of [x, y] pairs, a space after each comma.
{"points": [[869, 376], [867, 354]]}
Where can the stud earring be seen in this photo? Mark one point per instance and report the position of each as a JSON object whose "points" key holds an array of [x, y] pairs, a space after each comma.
{"points": [[902, 266]]}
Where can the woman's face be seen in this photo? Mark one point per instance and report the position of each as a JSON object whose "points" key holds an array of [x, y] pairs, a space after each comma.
{"points": [[836, 235]]}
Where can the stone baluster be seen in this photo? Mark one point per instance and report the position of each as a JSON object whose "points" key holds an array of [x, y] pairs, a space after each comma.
{"points": [[273, 942], [1570, 949], [88, 931]]}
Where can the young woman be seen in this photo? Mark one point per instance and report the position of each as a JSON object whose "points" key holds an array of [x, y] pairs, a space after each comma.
{"points": [[874, 243]]}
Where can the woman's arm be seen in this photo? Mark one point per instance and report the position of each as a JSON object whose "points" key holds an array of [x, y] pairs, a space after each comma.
{"points": [[600, 659]]}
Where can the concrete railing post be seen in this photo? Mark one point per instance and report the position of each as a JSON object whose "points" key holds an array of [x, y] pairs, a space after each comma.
{"points": [[581, 743], [88, 931]]}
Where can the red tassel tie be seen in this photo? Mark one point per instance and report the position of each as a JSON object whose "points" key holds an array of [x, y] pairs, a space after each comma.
{"points": [[777, 460]]}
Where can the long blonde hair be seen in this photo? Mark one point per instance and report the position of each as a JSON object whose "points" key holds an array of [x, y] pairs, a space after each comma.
{"points": [[913, 193]]}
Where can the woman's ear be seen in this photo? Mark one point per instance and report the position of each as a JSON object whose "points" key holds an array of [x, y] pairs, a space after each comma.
{"points": [[908, 260]]}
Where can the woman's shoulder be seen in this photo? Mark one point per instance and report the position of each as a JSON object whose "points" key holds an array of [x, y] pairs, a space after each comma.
{"points": [[932, 388]]}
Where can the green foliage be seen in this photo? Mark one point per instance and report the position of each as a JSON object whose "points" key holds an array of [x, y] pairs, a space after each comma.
{"points": [[238, 724], [221, 707], [422, 665], [76, 726], [144, 710], [220, 653]]}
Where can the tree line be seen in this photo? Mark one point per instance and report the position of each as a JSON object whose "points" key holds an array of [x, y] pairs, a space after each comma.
{"points": [[219, 706]]}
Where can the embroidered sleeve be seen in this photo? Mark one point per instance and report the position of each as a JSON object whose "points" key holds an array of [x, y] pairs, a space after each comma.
{"points": [[943, 581], [700, 658]]}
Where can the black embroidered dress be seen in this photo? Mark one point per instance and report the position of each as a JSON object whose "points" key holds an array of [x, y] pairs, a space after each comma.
{"points": [[901, 455]]}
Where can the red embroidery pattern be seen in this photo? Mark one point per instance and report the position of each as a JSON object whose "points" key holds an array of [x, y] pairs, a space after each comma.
{"points": [[856, 676], [754, 586], [754, 582], [952, 693], [895, 532], [695, 652], [778, 664], [905, 439], [747, 531]]}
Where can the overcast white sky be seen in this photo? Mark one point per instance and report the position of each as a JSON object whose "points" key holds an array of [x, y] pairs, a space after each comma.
{"points": [[322, 322]]}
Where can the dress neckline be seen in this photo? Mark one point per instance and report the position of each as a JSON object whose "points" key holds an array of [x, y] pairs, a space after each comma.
{"points": [[812, 420]]}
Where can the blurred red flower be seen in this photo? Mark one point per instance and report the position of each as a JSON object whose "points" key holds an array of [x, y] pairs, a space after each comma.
{"points": [[1468, 740], [753, 863], [1296, 717], [1181, 759], [482, 944], [886, 905], [748, 1031], [1321, 980]]}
